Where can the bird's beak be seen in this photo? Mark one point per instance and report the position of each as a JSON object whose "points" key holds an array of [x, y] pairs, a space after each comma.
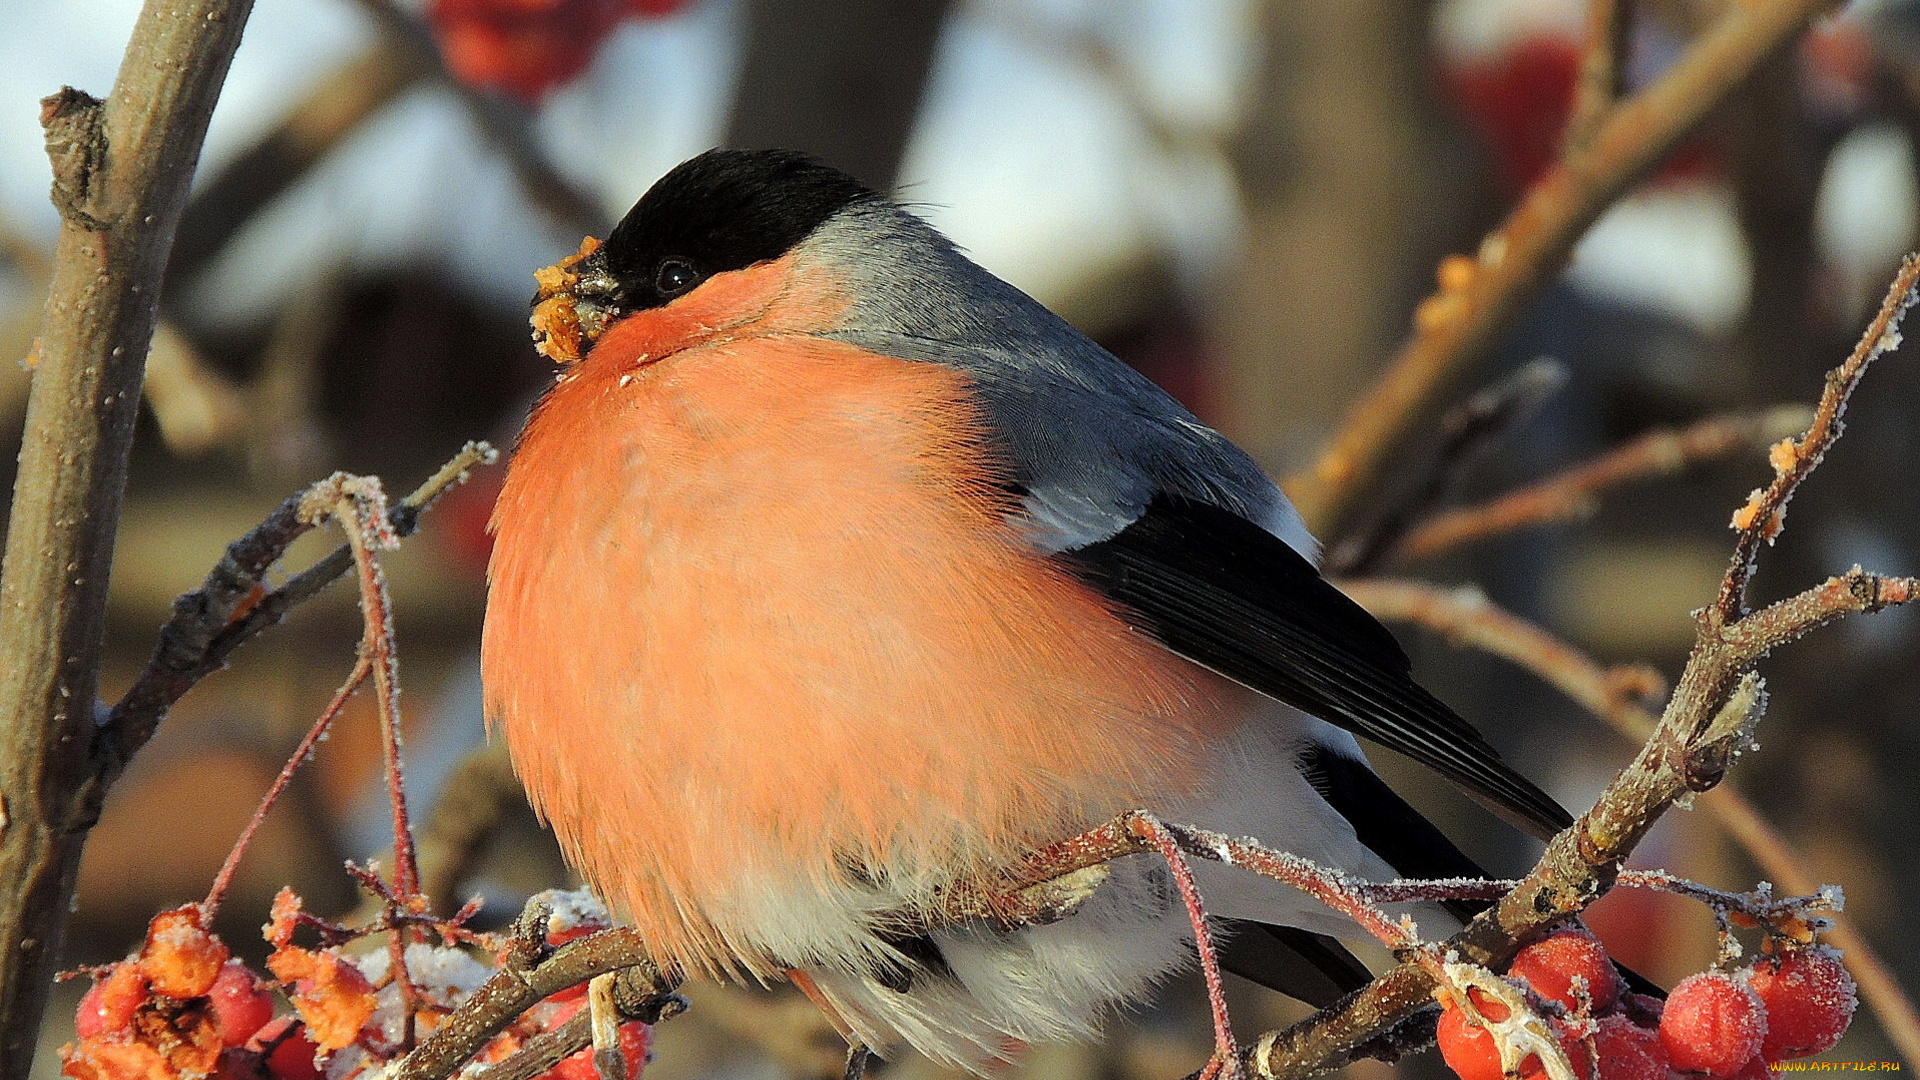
{"points": [[577, 298]]}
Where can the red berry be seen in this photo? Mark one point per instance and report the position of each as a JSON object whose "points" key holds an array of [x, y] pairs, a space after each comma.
{"points": [[1754, 1070], [1521, 100], [636, 1041], [110, 1004], [1809, 999], [577, 1067], [557, 938], [1467, 1047], [237, 1064], [636, 1045], [242, 1005], [576, 992], [1551, 964], [1713, 1024], [1628, 1051], [1469, 1050], [1576, 1050], [292, 1053], [522, 47]]}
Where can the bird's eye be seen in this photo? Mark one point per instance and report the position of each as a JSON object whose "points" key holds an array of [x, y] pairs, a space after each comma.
{"points": [[674, 277]]}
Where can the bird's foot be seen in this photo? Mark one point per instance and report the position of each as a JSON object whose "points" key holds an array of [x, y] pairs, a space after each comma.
{"points": [[1225, 1063], [857, 1058]]}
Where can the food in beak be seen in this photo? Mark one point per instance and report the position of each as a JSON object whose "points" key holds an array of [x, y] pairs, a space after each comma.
{"points": [[559, 332]]}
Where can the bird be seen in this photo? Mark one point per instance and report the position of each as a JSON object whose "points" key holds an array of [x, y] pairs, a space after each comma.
{"points": [[833, 571]]}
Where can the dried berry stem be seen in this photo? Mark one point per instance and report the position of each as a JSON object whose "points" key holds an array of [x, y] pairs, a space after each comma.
{"points": [[224, 879]]}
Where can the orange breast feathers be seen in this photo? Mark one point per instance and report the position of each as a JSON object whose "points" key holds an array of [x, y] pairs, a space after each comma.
{"points": [[758, 615]]}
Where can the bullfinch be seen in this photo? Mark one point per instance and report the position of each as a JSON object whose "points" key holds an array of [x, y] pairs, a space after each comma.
{"points": [[833, 571]]}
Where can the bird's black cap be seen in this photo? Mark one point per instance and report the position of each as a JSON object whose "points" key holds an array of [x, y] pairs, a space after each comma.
{"points": [[723, 210]]}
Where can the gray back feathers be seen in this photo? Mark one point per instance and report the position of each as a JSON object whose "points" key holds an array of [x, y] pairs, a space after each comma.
{"points": [[1091, 441]]}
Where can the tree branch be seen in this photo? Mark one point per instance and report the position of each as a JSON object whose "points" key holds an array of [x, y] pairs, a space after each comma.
{"points": [[1761, 519], [1707, 723], [121, 170], [1467, 618], [1456, 326], [1574, 494], [1468, 432], [1603, 67], [530, 971], [234, 605]]}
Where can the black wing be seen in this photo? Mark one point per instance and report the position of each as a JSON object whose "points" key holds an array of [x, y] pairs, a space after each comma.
{"points": [[1298, 963], [1225, 593], [1318, 969]]}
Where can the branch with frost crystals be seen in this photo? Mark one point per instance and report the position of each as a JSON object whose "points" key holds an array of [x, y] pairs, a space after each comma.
{"points": [[1765, 512], [1707, 723], [532, 970], [234, 605], [1468, 619]]}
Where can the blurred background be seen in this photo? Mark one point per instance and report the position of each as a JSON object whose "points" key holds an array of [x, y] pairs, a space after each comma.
{"points": [[1243, 198]]}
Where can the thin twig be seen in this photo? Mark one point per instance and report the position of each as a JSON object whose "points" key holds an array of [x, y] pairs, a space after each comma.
{"points": [[1466, 617], [1458, 325], [223, 879], [1468, 432], [234, 605], [1603, 67], [359, 506], [1225, 1062], [1760, 520], [509, 126], [530, 971], [545, 1050], [1346, 895], [121, 169], [1575, 493]]}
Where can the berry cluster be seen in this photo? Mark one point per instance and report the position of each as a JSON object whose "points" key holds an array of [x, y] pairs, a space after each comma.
{"points": [[182, 1008], [1718, 1025], [525, 48]]}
